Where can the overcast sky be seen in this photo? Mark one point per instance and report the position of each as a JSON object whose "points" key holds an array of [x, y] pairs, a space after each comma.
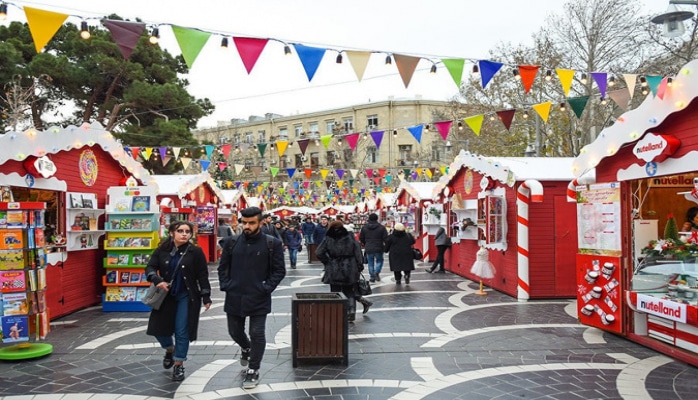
{"points": [[278, 84]]}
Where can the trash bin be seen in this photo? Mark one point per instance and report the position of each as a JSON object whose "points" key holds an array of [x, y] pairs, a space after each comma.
{"points": [[319, 327], [311, 253]]}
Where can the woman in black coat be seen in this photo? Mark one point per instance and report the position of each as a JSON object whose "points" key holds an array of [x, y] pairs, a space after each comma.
{"points": [[179, 313], [341, 255], [399, 246]]}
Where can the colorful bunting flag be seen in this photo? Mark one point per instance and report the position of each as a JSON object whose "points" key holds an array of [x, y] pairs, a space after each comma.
{"points": [[543, 110], [310, 58], [475, 123], [358, 61], [416, 131], [528, 75], [443, 127], [578, 104], [281, 146], [249, 50], [455, 68], [487, 70], [601, 79], [653, 82], [125, 34], [506, 116], [352, 139], [43, 25], [377, 137], [621, 97], [566, 76], [630, 81], [190, 41], [406, 66]]}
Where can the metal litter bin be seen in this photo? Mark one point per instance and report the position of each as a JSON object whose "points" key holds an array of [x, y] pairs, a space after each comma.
{"points": [[320, 330]]}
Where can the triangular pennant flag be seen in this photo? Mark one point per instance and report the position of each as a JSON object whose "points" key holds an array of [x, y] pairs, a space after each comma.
{"points": [[406, 171], [506, 116], [653, 82], [630, 81], [290, 172], [274, 171], [209, 150], [406, 66], [601, 79], [328, 184], [324, 172], [281, 146], [134, 152], [566, 76], [354, 172], [661, 90], [43, 25], [308, 172], [340, 183], [543, 110], [429, 172], [185, 162], [239, 168], [226, 150], [325, 140], [125, 34], [340, 173], [165, 160], [162, 151], [147, 152], [190, 41], [303, 145], [352, 139], [249, 50], [377, 137], [443, 127], [487, 70], [204, 164], [222, 166], [416, 131], [455, 68], [377, 180], [444, 170], [388, 179], [381, 172], [621, 97], [369, 172], [578, 104], [261, 148], [310, 58], [528, 75], [176, 150], [359, 61], [475, 123]]}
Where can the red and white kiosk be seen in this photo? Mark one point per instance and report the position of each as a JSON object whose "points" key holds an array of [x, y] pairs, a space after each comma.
{"points": [[517, 208], [632, 280], [413, 201]]}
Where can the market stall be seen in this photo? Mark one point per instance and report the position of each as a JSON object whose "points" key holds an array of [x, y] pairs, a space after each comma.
{"points": [[70, 169], [200, 194], [415, 208], [517, 208], [636, 262]]}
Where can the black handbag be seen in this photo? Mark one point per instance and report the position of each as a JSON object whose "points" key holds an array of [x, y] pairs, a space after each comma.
{"points": [[155, 296], [417, 254], [364, 286], [365, 259]]}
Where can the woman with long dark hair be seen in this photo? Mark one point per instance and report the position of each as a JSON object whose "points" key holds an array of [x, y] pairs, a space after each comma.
{"points": [[179, 266]]}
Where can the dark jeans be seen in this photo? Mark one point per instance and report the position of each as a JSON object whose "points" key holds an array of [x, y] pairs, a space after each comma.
{"points": [[257, 342], [348, 291], [398, 275], [439, 258]]}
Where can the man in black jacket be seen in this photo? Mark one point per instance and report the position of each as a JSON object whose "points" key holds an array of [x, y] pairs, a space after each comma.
{"points": [[250, 269], [372, 238]]}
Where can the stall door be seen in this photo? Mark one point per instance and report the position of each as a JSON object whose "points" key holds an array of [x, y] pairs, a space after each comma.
{"points": [[565, 247]]}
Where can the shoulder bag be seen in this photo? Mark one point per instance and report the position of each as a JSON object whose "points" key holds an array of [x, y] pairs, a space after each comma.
{"points": [[364, 286], [417, 254], [155, 296]]}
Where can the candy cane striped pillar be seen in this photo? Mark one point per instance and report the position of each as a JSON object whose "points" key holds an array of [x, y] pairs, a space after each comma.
{"points": [[572, 191], [530, 190]]}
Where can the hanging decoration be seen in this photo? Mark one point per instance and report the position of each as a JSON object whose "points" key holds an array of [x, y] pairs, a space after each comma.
{"points": [[249, 50], [406, 66], [125, 34], [506, 116], [310, 58], [475, 123], [43, 25], [191, 41], [578, 104]]}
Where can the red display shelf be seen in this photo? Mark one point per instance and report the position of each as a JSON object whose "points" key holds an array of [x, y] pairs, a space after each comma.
{"points": [[24, 205]]}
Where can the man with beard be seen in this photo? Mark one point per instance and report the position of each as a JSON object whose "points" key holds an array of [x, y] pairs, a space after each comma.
{"points": [[250, 269]]}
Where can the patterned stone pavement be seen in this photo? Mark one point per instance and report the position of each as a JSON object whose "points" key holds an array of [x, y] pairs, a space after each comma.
{"points": [[432, 339]]}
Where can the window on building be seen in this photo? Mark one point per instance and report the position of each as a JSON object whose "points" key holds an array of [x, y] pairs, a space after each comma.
{"points": [[331, 157], [283, 133], [372, 155], [297, 131], [299, 160], [314, 160], [236, 138], [261, 136], [348, 154], [372, 122], [249, 138], [329, 127], [405, 152], [348, 124], [283, 162], [438, 153], [313, 127]]}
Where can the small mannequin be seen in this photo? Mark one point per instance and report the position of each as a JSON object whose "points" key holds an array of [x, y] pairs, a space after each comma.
{"points": [[482, 267]]}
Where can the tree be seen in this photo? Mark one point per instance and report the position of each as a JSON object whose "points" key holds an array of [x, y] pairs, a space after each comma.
{"points": [[142, 101]]}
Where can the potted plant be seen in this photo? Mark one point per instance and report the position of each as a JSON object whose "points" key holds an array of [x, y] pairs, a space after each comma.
{"points": [[435, 212]]}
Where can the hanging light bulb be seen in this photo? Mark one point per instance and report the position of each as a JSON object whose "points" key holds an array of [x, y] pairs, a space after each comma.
{"points": [[388, 60], [339, 58], [394, 132], [669, 81], [154, 36], [3, 12], [460, 126], [584, 79], [603, 101], [287, 50], [426, 128], [643, 81], [365, 135], [645, 91], [563, 107], [517, 75], [548, 75], [476, 69], [612, 81], [433, 69], [525, 114], [339, 141], [84, 31], [271, 146], [491, 117], [224, 42]]}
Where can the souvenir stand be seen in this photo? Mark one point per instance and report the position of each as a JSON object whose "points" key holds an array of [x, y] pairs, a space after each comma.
{"points": [[629, 249], [500, 204], [69, 169], [23, 314], [384, 206], [413, 200], [200, 193]]}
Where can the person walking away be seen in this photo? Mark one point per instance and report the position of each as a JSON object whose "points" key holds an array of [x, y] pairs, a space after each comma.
{"points": [[442, 242], [341, 255], [399, 248], [294, 242], [179, 313], [250, 269], [372, 238], [308, 228]]}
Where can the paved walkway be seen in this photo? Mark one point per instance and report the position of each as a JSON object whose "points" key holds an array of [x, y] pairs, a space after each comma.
{"points": [[432, 339]]}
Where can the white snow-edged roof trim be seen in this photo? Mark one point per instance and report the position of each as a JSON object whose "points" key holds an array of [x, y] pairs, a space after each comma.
{"points": [[418, 190], [182, 185], [633, 124], [18, 146], [231, 196], [509, 170]]}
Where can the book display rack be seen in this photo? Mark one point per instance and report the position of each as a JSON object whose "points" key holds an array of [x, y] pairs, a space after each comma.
{"points": [[23, 312], [83, 218]]}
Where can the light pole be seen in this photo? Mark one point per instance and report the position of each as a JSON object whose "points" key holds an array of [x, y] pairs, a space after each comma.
{"points": [[672, 19]]}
